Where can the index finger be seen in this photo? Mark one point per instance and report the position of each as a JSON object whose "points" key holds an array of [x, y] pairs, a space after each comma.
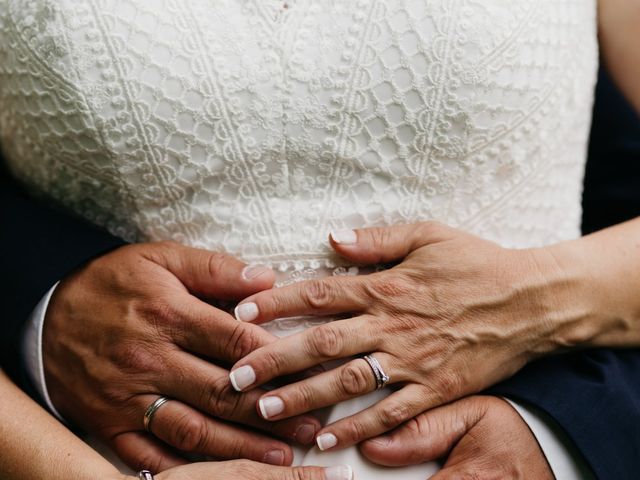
{"points": [[200, 328], [324, 296], [335, 340]]}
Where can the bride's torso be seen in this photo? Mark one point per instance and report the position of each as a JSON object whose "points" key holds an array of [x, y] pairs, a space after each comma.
{"points": [[255, 127]]}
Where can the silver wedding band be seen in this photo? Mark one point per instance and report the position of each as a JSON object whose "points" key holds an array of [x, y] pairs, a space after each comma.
{"points": [[148, 417], [145, 474], [381, 378]]}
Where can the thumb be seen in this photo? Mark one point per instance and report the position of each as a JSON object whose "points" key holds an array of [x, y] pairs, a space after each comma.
{"points": [[386, 244], [212, 274], [427, 437]]}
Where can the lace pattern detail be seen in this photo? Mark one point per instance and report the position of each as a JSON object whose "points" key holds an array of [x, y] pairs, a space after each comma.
{"points": [[246, 127]]}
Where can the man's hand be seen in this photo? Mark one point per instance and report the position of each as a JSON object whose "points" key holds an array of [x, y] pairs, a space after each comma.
{"points": [[482, 437], [133, 325]]}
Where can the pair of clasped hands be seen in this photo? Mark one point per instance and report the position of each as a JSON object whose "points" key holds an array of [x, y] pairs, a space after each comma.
{"points": [[136, 324]]}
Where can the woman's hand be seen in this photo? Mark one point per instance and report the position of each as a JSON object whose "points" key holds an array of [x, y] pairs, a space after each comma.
{"points": [[478, 437], [247, 470], [457, 315]]}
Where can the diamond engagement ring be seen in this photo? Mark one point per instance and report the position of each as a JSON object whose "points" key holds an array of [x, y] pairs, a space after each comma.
{"points": [[381, 378], [151, 411]]}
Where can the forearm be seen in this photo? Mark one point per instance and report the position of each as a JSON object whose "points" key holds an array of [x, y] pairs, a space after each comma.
{"points": [[35, 445], [600, 298], [619, 37]]}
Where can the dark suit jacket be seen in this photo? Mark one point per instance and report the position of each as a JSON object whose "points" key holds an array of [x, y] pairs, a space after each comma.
{"points": [[594, 396]]}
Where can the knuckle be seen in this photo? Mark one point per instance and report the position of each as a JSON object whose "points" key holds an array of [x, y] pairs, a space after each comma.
{"points": [[242, 341], [355, 431], [304, 397], [393, 415], [216, 264], [190, 434], [380, 238], [136, 358], [273, 362], [390, 286], [353, 380], [326, 341], [159, 313], [222, 401], [317, 294], [301, 473]]}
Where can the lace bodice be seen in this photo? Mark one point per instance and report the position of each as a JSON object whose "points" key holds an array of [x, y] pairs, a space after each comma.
{"points": [[257, 126]]}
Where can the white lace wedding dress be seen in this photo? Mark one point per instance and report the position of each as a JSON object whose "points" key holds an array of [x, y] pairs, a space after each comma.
{"points": [[257, 126]]}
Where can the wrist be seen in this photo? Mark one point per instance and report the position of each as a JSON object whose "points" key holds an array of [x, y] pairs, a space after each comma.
{"points": [[566, 307], [589, 313]]}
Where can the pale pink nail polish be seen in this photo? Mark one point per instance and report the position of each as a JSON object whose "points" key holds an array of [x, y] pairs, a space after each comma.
{"points": [[339, 472], [242, 378], [326, 440], [246, 312], [251, 272], [270, 407], [344, 237]]}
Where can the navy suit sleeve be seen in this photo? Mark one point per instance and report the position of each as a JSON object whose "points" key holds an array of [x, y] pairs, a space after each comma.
{"points": [[595, 398], [38, 246], [595, 395]]}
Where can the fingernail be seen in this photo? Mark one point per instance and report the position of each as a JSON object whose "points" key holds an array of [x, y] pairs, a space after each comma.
{"points": [[246, 312], [242, 378], [344, 237], [253, 271], [339, 472], [326, 440], [305, 433], [274, 457], [271, 406]]}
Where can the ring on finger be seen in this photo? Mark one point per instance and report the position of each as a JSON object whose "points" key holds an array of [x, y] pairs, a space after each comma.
{"points": [[382, 379], [151, 411]]}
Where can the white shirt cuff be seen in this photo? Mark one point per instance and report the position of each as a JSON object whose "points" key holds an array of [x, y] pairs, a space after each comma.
{"points": [[32, 351], [564, 460]]}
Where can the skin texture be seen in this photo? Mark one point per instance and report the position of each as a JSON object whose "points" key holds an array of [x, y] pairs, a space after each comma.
{"points": [[453, 298], [610, 318], [455, 316], [480, 437], [42, 448], [133, 325]]}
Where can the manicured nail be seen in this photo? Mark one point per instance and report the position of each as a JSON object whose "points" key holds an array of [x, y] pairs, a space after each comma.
{"points": [[253, 271], [274, 457], [339, 472], [326, 440], [246, 312], [305, 433], [242, 378], [344, 237], [271, 406]]}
